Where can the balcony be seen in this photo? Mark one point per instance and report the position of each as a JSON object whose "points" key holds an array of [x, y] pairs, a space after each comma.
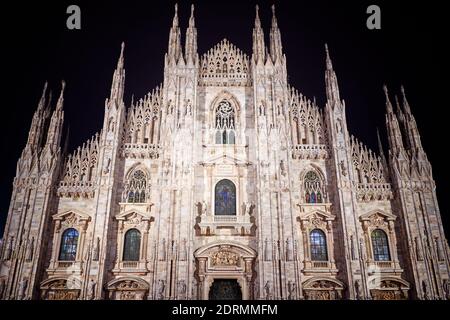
{"points": [[232, 225], [373, 191], [133, 267], [141, 151], [310, 151]]}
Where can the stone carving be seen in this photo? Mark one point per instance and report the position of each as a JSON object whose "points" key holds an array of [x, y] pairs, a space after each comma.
{"points": [[445, 286], [162, 250], [96, 250], [352, 248], [90, 293], [194, 289], [425, 290], [292, 295], [23, 285], [440, 252], [160, 289], [358, 290], [30, 250], [2, 287], [343, 168], [418, 247], [224, 258], [289, 250], [267, 250], [248, 208], [9, 248], [268, 290], [181, 287], [107, 166], [204, 208], [183, 251]]}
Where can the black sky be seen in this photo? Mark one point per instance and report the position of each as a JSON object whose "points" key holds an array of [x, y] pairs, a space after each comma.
{"points": [[408, 50]]}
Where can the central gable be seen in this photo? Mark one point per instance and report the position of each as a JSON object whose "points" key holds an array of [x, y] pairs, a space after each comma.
{"points": [[224, 65]]}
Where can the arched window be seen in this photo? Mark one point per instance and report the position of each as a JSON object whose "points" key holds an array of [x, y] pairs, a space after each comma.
{"points": [[132, 245], [137, 187], [313, 187], [380, 245], [225, 198], [69, 242], [225, 123], [318, 243]]}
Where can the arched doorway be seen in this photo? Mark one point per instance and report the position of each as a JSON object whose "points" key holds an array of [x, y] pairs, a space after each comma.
{"points": [[225, 271], [225, 289]]}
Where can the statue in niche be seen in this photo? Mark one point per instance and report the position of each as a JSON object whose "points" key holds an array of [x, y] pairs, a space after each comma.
{"points": [[90, 294], [289, 250], [248, 208], [343, 169], [204, 208], [2, 287], [419, 253], [291, 290], [267, 250], [30, 250], [352, 248], [9, 248], [188, 107], [162, 250], [107, 165], [445, 286], [96, 250], [161, 288], [22, 288], [268, 290], [358, 290], [425, 290], [282, 168], [181, 287]]}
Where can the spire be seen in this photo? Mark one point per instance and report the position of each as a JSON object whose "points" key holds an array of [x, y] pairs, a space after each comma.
{"points": [[388, 102], [118, 83], [276, 47], [380, 149], [412, 131], [392, 125], [56, 122], [174, 49], [331, 83], [37, 123], [259, 48], [406, 107], [191, 39]]}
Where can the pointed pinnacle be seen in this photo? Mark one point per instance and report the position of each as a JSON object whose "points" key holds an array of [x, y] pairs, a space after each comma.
{"points": [[405, 101], [61, 95], [191, 19], [257, 21], [175, 17], [328, 59], [274, 17], [388, 102]]}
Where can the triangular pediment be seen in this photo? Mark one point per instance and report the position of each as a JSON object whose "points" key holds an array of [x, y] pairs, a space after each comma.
{"points": [[133, 214], [225, 159], [71, 213], [318, 214], [385, 215]]}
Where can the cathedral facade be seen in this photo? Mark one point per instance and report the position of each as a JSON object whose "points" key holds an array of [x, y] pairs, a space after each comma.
{"points": [[224, 183]]}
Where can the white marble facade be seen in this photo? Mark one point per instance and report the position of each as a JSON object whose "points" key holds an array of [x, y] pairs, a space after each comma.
{"points": [[134, 214]]}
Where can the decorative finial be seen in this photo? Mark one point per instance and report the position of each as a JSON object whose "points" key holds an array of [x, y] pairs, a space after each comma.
{"points": [[192, 10], [328, 59]]}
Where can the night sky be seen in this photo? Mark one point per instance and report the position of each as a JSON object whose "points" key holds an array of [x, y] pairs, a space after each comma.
{"points": [[408, 50]]}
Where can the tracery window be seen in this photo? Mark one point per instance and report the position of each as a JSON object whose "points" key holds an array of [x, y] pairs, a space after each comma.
{"points": [[132, 245], [318, 245], [225, 198], [69, 242], [313, 188], [137, 187], [225, 123], [380, 245]]}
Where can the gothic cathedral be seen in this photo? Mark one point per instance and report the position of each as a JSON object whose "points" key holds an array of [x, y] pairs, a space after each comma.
{"points": [[224, 183]]}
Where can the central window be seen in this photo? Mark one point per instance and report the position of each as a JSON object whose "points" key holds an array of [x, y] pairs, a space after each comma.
{"points": [[137, 187], [225, 123], [225, 198]]}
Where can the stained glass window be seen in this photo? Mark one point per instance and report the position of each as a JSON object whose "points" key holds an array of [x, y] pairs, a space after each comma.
{"points": [[225, 123], [137, 187], [132, 245], [313, 187], [318, 243], [380, 245], [69, 242], [225, 198]]}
